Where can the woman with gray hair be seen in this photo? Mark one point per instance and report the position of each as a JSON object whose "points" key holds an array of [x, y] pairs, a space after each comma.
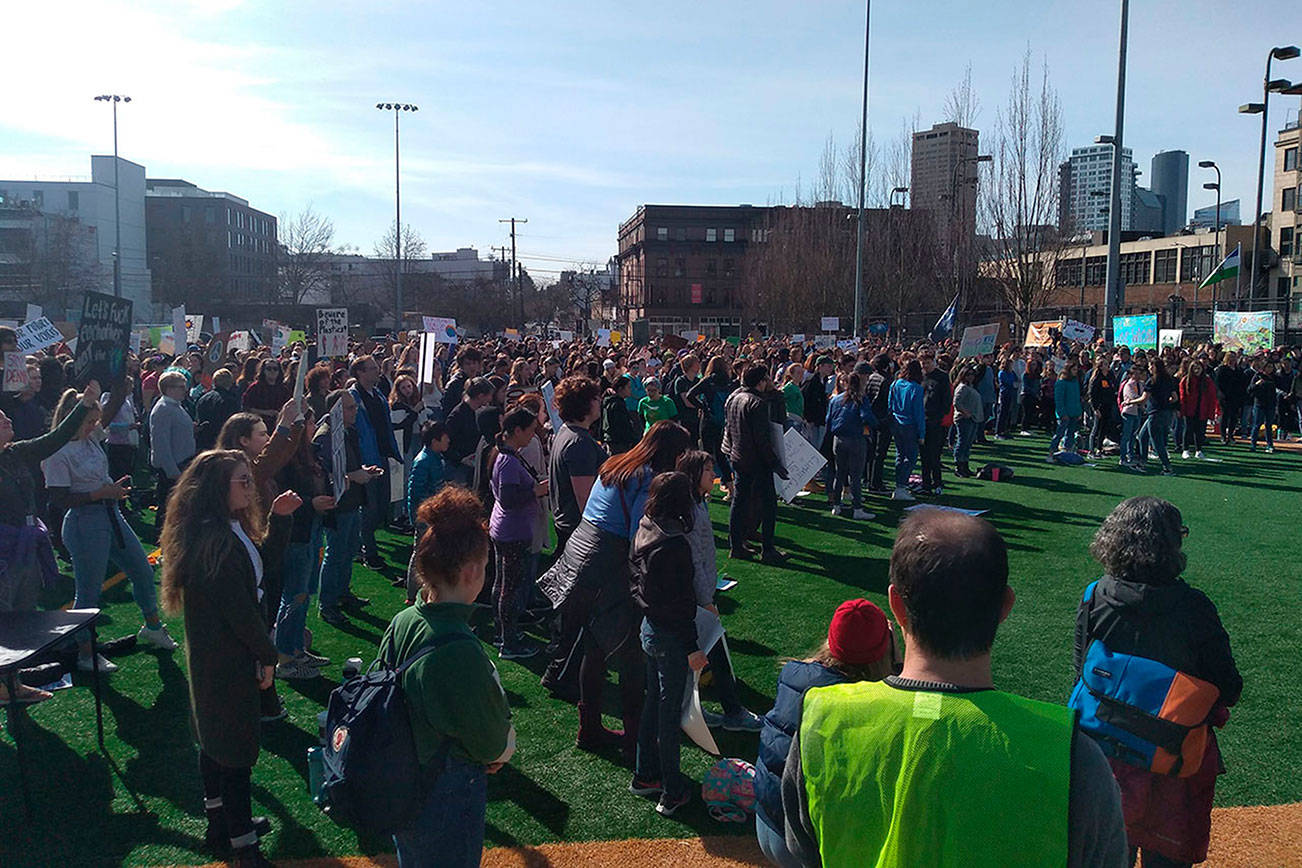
{"points": [[1142, 607]]}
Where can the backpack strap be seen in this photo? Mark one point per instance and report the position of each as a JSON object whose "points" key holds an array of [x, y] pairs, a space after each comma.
{"points": [[433, 645], [1089, 591]]}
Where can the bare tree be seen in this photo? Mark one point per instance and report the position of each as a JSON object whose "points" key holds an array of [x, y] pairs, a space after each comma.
{"points": [[962, 106], [1019, 204], [413, 248], [306, 239]]}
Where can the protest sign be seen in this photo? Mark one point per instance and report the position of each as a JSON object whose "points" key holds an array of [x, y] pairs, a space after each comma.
{"points": [[297, 336], [331, 331], [216, 324], [338, 455], [565, 336], [33, 312], [444, 328], [1138, 332], [549, 398], [1074, 330], [15, 372], [513, 334], [978, 340], [1037, 333], [193, 326], [603, 337], [429, 353], [178, 329], [280, 338], [802, 462], [239, 341], [1246, 331], [618, 336], [824, 342], [103, 336], [798, 338], [879, 328], [1170, 337], [830, 324], [37, 334], [848, 344], [138, 340]]}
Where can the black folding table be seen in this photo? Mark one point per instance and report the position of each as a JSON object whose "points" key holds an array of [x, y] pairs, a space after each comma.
{"points": [[24, 638]]}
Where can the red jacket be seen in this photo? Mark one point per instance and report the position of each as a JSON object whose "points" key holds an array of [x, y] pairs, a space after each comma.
{"points": [[1198, 398]]}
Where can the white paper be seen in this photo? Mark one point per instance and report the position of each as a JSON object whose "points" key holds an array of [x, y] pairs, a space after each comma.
{"points": [[37, 334], [15, 372], [178, 329], [193, 325], [603, 337], [238, 341], [444, 328], [338, 455], [429, 342], [331, 332], [848, 344], [1074, 330], [803, 461], [709, 630], [830, 324], [566, 336], [549, 398], [33, 312]]}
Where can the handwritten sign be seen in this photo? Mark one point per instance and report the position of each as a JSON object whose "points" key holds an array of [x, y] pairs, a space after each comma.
{"points": [[338, 455], [37, 334], [239, 341], [15, 372], [978, 340], [103, 337], [332, 331], [802, 462], [830, 323]]}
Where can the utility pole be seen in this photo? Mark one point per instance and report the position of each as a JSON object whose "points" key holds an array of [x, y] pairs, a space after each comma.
{"points": [[396, 108], [863, 163], [515, 269], [1113, 292]]}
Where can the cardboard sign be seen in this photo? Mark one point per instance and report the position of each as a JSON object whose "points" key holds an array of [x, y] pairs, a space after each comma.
{"points": [[279, 339], [1037, 333], [103, 337], [444, 328], [830, 324], [978, 340], [15, 372], [332, 331], [239, 341], [617, 337], [802, 462], [296, 336], [37, 334], [193, 326]]}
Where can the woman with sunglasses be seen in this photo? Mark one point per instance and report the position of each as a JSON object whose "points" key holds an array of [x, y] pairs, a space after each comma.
{"points": [[268, 393]]}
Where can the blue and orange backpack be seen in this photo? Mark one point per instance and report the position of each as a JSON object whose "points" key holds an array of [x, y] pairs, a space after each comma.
{"points": [[1142, 712]]}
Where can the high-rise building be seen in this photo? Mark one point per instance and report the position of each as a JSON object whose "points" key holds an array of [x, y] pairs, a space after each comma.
{"points": [[943, 178], [1147, 212], [1085, 183], [1170, 179], [1205, 218]]}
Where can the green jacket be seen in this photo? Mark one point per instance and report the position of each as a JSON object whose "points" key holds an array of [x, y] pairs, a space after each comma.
{"points": [[452, 693]]}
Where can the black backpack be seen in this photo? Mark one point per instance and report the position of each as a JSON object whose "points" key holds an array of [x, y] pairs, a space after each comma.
{"points": [[372, 779]]}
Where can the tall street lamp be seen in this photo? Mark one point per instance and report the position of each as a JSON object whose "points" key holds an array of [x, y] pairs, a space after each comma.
{"points": [[1212, 185], [1269, 86], [113, 99], [863, 167], [397, 108], [1114, 293]]}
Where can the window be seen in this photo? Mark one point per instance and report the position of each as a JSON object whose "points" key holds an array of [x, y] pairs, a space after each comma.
{"points": [[1196, 262], [680, 234], [1288, 201], [711, 267], [1164, 262], [1134, 267], [1286, 241], [74, 200], [228, 216], [662, 267], [712, 234], [662, 233], [230, 240], [730, 234], [680, 267], [1290, 159]]}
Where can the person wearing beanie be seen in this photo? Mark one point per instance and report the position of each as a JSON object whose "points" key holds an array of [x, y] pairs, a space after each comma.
{"points": [[860, 646]]}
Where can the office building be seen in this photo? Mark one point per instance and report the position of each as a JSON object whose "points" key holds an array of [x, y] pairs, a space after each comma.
{"points": [[1147, 212], [90, 202], [207, 247], [1285, 279], [1169, 175], [1205, 218], [943, 179], [1085, 185]]}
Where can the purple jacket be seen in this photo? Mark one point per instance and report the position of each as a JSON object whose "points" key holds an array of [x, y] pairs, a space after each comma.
{"points": [[515, 506]]}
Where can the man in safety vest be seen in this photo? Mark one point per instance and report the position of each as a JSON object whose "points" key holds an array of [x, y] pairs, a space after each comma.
{"points": [[935, 767]]}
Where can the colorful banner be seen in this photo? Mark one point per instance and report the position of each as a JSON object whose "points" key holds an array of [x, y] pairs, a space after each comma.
{"points": [[1138, 332], [978, 340], [1243, 330], [1037, 333]]}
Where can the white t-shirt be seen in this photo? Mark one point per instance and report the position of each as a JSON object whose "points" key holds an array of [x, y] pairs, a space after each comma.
{"points": [[254, 557], [79, 466]]}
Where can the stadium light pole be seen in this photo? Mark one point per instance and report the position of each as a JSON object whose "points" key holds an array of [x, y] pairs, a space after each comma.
{"points": [[397, 108], [1220, 254], [113, 99], [863, 167], [1269, 86]]}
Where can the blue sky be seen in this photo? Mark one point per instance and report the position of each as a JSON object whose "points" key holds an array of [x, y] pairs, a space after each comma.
{"points": [[572, 114]]}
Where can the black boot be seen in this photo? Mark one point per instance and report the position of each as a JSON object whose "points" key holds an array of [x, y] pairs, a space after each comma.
{"points": [[218, 840], [251, 857]]}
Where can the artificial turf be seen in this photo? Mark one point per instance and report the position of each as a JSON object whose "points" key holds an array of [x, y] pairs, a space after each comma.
{"points": [[1244, 550]]}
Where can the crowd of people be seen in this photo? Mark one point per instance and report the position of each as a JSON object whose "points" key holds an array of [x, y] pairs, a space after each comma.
{"points": [[619, 450]]}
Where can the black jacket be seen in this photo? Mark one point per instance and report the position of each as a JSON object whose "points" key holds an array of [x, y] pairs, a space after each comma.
{"points": [[748, 433], [878, 390], [814, 391], [463, 433], [210, 414], [1231, 385], [662, 582], [1102, 392], [617, 429], [1172, 623], [1262, 392], [354, 494], [937, 397]]}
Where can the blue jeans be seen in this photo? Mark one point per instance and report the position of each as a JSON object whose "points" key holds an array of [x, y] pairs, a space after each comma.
{"points": [[1154, 434], [1129, 425], [1006, 410], [771, 841], [1066, 433], [965, 433], [449, 832], [340, 549], [660, 732], [850, 452], [92, 541], [906, 452], [299, 568], [1263, 416]]}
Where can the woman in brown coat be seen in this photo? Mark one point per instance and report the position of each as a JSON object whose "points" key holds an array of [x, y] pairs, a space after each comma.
{"points": [[214, 542]]}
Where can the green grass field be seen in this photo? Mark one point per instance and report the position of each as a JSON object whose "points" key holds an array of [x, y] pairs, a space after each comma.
{"points": [[1244, 550]]}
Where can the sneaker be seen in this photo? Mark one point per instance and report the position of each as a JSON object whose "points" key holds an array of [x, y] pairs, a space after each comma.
{"points": [[307, 658], [938, 491], [1049, 459], [669, 805], [1199, 455], [353, 601], [517, 651], [280, 713], [1270, 448], [640, 787], [836, 510], [157, 636], [864, 515], [743, 721], [712, 719], [773, 557], [296, 670], [902, 494], [334, 616], [1185, 455], [1167, 471], [374, 561], [87, 664]]}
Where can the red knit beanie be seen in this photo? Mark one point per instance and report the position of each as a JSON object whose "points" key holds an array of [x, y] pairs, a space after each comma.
{"points": [[859, 634]]}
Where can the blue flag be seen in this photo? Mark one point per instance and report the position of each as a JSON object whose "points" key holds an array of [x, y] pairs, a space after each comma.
{"points": [[945, 325]]}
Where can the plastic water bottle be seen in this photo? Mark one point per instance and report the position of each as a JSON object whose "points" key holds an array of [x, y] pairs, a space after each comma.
{"points": [[315, 773]]}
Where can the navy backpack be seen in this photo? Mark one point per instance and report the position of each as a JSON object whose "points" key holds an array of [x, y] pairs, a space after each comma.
{"points": [[372, 779]]}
